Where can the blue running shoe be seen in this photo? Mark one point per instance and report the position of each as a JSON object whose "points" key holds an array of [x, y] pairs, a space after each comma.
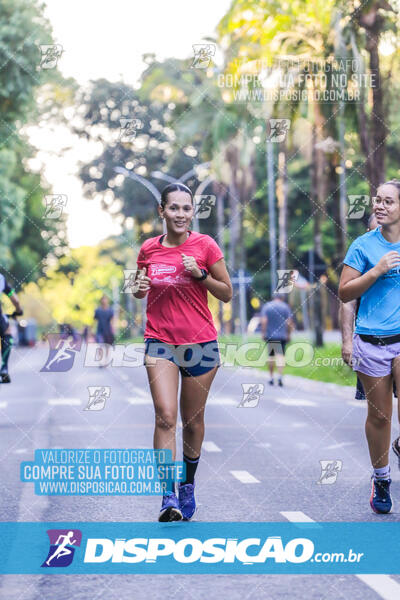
{"points": [[396, 450], [381, 501], [187, 503], [170, 508]]}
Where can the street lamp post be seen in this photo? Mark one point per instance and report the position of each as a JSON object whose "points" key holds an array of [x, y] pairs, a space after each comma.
{"points": [[147, 184], [271, 214]]}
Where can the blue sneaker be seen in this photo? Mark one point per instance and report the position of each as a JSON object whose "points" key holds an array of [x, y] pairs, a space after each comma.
{"points": [[381, 501], [170, 508], [396, 450], [187, 502]]}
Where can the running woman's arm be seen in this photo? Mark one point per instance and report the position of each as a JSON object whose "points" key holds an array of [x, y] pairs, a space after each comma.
{"points": [[353, 284], [10, 292], [218, 282], [346, 323], [14, 299], [291, 326], [264, 324], [143, 283]]}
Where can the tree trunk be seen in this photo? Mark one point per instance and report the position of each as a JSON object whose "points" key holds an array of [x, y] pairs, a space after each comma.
{"points": [[318, 191], [234, 228], [318, 195], [374, 144], [378, 126]]}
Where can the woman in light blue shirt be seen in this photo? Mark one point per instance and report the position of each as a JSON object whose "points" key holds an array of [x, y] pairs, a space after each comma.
{"points": [[371, 272]]}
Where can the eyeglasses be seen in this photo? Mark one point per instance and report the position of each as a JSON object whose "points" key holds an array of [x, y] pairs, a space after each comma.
{"points": [[385, 201]]}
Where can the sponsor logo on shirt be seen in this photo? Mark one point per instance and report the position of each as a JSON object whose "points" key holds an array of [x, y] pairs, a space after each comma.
{"points": [[162, 269]]}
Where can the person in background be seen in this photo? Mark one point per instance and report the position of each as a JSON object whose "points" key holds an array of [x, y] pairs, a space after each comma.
{"points": [[276, 327], [6, 338], [104, 315], [86, 333]]}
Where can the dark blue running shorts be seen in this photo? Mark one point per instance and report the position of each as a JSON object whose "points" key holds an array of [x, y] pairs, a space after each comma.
{"points": [[192, 359], [275, 347]]}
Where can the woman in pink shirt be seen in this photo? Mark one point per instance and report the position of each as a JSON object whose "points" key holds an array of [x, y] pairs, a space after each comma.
{"points": [[177, 270]]}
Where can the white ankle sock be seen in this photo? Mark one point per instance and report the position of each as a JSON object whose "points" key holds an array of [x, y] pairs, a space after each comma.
{"points": [[382, 472]]}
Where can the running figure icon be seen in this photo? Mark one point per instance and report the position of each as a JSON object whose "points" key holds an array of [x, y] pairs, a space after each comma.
{"points": [[62, 549], [62, 347]]}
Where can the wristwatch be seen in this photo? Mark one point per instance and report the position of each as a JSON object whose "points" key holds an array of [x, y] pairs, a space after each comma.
{"points": [[203, 275]]}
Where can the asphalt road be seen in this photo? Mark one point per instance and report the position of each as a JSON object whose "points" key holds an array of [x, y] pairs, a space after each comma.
{"points": [[258, 463]]}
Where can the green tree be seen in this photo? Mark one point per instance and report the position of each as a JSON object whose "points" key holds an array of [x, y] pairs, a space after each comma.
{"points": [[100, 110], [11, 207], [24, 245], [23, 28]]}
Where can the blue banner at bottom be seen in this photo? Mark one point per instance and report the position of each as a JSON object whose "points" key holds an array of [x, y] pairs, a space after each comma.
{"points": [[218, 548]]}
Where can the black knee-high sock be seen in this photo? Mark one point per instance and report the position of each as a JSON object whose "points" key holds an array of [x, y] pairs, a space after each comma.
{"points": [[191, 466], [6, 345]]}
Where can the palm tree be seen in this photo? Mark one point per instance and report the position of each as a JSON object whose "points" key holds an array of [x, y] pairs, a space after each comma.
{"points": [[301, 31]]}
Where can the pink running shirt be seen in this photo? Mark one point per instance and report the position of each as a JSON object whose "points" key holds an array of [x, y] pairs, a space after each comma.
{"points": [[177, 307]]}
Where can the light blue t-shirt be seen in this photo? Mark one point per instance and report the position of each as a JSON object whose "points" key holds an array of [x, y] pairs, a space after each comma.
{"points": [[277, 313], [379, 310]]}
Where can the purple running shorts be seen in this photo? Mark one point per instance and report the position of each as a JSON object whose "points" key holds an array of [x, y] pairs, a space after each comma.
{"points": [[372, 360]]}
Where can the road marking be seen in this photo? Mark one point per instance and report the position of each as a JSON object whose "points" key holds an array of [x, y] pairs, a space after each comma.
{"points": [[222, 401], [244, 477], [64, 401], [3, 404], [357, 403], [386, 587], [295, 402], [211, 447], [140, 391], [296, 516], [81, 427], [264, 445], [138, 401], [341, 445], [300, 518], [21, 451], [298, 424]]}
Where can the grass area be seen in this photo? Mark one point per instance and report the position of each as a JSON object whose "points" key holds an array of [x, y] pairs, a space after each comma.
{"points": [[302, 359], [327, 365]]}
